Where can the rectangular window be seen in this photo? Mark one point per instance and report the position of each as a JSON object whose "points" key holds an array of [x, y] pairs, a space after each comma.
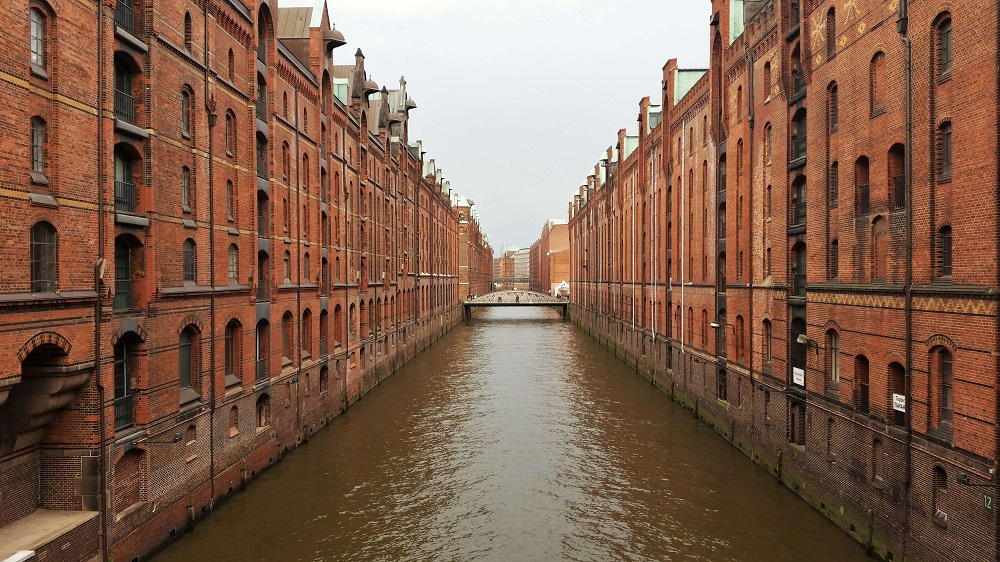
{"points": [[946, 150], [946, 391], [944, 47]]}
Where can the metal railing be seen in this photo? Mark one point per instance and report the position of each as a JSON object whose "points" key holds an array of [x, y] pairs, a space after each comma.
{"points": [[124, 106], [126, 196], [864, 200], [124, 411], [798, 146], [261, 369], [800, 213], [799, 285], [125, 16], [899, 192], [261, 107], [798, 81], [123, 294]]}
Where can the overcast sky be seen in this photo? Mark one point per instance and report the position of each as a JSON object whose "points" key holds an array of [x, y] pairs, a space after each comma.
{"points": [[519, 98]]}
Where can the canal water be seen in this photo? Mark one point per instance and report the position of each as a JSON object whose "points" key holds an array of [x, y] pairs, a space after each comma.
{"points": [[515, 437]]}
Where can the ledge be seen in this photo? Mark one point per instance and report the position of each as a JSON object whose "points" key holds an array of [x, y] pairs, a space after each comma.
{"points": [[129, 128], [131, 40]]}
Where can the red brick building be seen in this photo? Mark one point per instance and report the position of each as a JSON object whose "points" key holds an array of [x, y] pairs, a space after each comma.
{"points": [[475, 255], [801, 245], [217, 240], [550, 257]]}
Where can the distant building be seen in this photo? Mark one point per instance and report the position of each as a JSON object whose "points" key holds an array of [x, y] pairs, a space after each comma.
{"points": [[550, 257]]}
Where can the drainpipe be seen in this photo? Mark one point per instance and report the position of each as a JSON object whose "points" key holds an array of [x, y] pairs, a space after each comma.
{"points": [[298, 259], [212, 117], [750, 152], [902, 25], [98, 272], [996, 415]]}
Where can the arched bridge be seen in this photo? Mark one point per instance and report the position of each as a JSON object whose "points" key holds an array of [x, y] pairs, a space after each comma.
{"points": [[516, 298]]}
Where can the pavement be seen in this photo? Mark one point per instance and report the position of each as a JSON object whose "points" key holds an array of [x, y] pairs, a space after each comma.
{"points": [[37, 530]]}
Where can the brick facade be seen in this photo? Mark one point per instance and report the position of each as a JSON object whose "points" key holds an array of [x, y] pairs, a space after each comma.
{"points": [[218, 238], [761, 252]]}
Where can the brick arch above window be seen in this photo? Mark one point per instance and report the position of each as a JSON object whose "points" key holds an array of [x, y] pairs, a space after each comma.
{"points": [[44, 338], [191, 321]]}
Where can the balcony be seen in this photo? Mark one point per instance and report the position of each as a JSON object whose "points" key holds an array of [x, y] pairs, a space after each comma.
{"points": [[864, 200], [899, 192], [124, 298], [798, 82], [124, 411], [262, 108], [261, 372], [125, 16], [124, 107], [799, 218], [126, 196], [798, 147]]}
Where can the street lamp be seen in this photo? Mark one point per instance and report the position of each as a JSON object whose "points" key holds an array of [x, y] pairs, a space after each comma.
{"points": [[175, 439]]}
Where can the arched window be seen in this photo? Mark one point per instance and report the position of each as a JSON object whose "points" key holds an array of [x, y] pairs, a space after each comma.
{"points": [[263, 215], [262, 339], [799, 201], [704, 328], [324, 331], [832, 356], [187, 201], [739, 103], [767, 80], [230, 130], [944, 46], [189, 362], [831, 33], [38, 150], [287, 338], [233, 352], [942, 369], [690, 326], [124, 292], [306, 332], [44, 253], [861, 183], [287, 267], [284, 104], [187, 31], [939, 491], [324, 379], [190, 261], [877, 84], [861, 377], [286, 165], [833, 260], [262, 167], [768, 142], [39, 38], [338, 325], [186, 114], [232, 66], [128, 488], [833, 107], [798, 131], [799, 269], [125, 354], [798, 77], [261, 98], [897, 394], [230, 201], [233, 264], [944, 253], [740, 340], [944, 151], [833, 184], [768, 342], [352, 326]]}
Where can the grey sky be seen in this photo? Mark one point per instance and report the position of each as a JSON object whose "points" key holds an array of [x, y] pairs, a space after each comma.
{"points": [[518, 98]]}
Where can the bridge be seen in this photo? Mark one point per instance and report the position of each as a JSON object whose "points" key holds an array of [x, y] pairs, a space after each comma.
{"points": [[516, 298]]}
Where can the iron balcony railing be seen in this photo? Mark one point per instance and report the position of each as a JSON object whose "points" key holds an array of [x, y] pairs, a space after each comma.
{"points": [[798, 81], [799, 287], [800, 213], [123, 294], [864, 200], [126, 196], [899, 192], [261, 108], [798, 147], [124, 411], [124, 106], [125, 16], [261, 369]]}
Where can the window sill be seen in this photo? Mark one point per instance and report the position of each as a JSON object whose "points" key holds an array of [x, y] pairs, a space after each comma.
{"points": [[39, 178], [877, 112], [188, 395], [944, 77], [186, 135], [944, 178], [39, 72], [233, 432]]}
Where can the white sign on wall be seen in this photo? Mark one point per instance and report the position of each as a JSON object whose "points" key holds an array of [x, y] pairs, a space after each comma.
{"points": [[798, 376], [898, 402]]}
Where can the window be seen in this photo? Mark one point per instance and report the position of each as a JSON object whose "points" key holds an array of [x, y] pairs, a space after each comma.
{"points": [[262, 168], [798, 76], [704, 130], [831, 33], [944, 252], [263, 410], [186, 114], [768, 142], [187, 31], [722, 385], [190, 261], [233, 352], [305, 268], [285, 214], [861, 384], [189, 362], [232, 66], [797, 424], [877, 84], [305, 341], [186, 189], [897, 390], [287, 337], [799, 201], [261, 98], [832, 267], [38, 150], [124, 402], [262, 339], [945, 381], [230, 201], [233, 263], [798, 130], [324, 331], [287, 267], [944, 151], [861, 180], [44, 252], [799, 270], [284, 104], [123, 275], [767, 80], [939, 490], [768, 342], [262, 215], [943, 48], [38, 39], [739, 103], [833, 189], [833, 109], [230, 130], [880, 235], [740, 340], [833, 356], [338, 325]]}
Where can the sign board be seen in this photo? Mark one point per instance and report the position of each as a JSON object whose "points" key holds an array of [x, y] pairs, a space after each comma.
{"points": [[798, 376], [898, 402]]}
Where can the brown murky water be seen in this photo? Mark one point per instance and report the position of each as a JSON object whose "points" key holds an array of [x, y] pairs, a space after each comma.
{"points": [[515, 437]]}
